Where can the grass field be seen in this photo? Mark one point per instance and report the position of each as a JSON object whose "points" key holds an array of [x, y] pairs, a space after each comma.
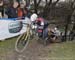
{"points": [[7, 45], [57, 51], [63, 51]]}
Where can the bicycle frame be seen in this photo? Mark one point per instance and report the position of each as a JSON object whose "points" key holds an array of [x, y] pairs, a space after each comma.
{"points": [[23, 40]]}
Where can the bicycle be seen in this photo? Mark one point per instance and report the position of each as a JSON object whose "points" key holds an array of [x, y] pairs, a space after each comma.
{"points": [[23, 40]]}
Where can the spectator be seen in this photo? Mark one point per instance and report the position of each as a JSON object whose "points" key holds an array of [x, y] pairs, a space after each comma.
{"points": [[1, 9], [20, 12], [12, 10], [25, 14], [0, 15]]}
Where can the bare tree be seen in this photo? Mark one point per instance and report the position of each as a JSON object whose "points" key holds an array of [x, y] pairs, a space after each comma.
{"points": [[48, 6], [72, 6], [36, 4], [27, 2]]}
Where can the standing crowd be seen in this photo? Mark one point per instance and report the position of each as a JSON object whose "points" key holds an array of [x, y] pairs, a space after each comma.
{"points": [[13, 10]]}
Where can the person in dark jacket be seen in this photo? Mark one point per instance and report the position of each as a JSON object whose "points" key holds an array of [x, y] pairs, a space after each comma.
{"points": [[1, 8], [12, 10]]}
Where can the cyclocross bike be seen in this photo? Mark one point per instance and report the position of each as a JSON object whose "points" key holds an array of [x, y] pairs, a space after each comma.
{"points": [[23, 40]]}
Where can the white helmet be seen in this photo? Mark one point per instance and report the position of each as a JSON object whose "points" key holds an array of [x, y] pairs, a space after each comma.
{"points": [[33, 17], [55, 28]]}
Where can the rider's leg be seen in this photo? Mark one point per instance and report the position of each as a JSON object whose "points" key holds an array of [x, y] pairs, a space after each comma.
{"points": [[45, 33]]}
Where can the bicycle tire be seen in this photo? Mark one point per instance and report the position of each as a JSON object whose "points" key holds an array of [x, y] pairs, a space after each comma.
{"points": [[21, 40]]}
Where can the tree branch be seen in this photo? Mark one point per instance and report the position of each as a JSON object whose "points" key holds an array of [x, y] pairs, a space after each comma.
{"points": [[55, 2], [50, 2], [46, 1], [35, 6], [38, 2], [72, 3]]}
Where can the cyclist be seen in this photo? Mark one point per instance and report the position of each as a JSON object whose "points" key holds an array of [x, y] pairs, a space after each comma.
{"points": [[42, 25]]}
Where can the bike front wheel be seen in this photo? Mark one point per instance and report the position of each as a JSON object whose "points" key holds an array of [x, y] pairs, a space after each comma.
{"points": [[21, 42]]}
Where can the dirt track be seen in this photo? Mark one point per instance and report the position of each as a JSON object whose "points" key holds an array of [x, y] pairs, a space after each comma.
{"points": [[34, 51]]}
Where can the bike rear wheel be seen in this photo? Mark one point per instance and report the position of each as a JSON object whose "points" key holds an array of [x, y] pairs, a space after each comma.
{"points": [[22, 42]]}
